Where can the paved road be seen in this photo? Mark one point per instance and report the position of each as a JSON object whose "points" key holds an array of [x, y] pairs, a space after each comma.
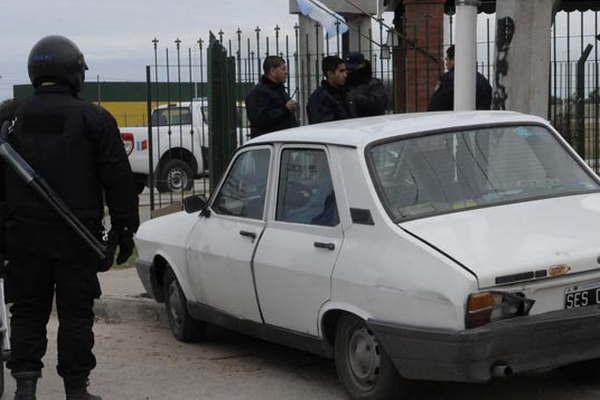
{"points": [[145, 362]]}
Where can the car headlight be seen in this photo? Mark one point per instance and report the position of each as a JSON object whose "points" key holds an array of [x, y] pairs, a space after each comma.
{"points": [[486, 307]]}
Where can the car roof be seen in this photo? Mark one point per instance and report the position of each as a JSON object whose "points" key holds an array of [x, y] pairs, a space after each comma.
{"points": [[360, 132]]}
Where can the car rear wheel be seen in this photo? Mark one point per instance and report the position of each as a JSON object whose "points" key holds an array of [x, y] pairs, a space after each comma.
{"points": [[184, 327], [362, 365]]}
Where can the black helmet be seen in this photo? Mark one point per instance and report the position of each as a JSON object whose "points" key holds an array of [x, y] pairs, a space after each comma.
{"points": [[56, 59]]}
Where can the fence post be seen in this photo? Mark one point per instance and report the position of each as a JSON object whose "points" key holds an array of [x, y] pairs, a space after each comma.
{"points": [[150, 137], [580, 107], [222, 109]]}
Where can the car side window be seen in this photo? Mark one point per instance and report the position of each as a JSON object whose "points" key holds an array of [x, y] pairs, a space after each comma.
{"points": [[244, 191], [306, 194]]}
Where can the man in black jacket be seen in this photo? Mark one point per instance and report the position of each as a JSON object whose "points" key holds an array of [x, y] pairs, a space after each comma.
{"points": [[330, 102], [368, 94], [443, 97], [268, 104], [77, 148]]}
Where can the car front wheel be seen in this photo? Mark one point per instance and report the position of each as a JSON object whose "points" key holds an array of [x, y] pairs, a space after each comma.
{"points": [[184, 327], [361, 363]]}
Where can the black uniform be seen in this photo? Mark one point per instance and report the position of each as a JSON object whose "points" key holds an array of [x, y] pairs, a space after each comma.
{"points": [[368, 94], [329, 104], [266, 108], [76, 147], [443, 97]]}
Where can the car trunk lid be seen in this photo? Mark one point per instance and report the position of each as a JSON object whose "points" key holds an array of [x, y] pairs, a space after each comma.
{"points": [[519, 242]]}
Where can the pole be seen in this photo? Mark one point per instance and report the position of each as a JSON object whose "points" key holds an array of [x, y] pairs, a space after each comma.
{"points": [[466, 55]]}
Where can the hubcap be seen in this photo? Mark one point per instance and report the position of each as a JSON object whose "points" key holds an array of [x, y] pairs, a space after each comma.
{"points": [[177, 179], [364, 357], [175, 304]]}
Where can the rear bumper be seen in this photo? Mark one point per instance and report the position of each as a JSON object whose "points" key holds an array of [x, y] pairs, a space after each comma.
{"points": [[524, 344]]}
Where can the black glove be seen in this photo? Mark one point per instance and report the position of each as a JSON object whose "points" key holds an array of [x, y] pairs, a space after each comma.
{"points": [[111, 248], [123, 238], [126, 245]]}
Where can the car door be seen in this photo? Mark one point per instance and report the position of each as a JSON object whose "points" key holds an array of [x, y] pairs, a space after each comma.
{"points": [[298, 250], [222, 245]]}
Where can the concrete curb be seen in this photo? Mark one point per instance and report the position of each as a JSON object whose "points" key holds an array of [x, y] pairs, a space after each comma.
{"points": [[116, 309]]}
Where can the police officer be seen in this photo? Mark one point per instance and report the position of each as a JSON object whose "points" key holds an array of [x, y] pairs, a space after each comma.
{"points": [[331, 102], [268, 104], [76, 147], [368, 94], [443, 97]]}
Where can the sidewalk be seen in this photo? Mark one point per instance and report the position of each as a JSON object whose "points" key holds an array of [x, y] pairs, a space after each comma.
{"points": [[124, 299]]}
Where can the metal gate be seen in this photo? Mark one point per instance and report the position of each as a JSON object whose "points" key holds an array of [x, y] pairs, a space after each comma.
{"points": [[180, 79]]}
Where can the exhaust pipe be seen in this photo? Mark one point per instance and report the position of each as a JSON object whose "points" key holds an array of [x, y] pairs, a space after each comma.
{"points": [[501, 371]]}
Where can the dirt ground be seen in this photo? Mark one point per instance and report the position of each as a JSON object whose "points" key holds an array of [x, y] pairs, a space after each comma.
{"points": [[142, 361]]}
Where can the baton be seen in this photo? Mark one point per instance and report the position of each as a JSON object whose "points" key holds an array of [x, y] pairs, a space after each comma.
{"points": [[39, 185]]}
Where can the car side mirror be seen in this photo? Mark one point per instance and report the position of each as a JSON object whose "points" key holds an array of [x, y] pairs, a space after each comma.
{"points": [[195, 203]]}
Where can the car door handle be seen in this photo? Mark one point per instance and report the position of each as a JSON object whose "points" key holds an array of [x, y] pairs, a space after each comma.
{"points": [[247, 234], [328, 246]]}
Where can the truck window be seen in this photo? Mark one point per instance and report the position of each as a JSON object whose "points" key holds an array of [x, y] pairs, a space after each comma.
{"points": [[172, 116]]}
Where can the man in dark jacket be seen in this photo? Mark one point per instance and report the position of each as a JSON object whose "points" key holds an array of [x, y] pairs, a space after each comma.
{"points": [[368, 94], [443, 97], [77, 148], [330, 102], [268, 104]]}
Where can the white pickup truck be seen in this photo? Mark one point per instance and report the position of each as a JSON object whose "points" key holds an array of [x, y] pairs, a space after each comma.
{"points": [[180, 145]]}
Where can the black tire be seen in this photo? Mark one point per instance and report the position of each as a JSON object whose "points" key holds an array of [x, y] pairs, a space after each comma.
{"points": [[362, 365], [174, 176], [582, 372], [185, 328]]}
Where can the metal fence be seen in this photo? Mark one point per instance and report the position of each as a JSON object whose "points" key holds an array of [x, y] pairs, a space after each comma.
{"points": [[410, 69]]}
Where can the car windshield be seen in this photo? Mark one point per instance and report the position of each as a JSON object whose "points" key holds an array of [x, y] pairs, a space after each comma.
{"points": [[440, 173]]}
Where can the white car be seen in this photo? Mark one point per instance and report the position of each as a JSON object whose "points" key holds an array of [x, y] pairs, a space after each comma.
{"points": [[440, 246]]}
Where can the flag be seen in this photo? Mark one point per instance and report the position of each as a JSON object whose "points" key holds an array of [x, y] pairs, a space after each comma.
{"points": [[327, 18]]}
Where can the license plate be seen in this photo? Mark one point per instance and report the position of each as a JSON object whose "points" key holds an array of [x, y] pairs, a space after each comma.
{"points": [[582, 296]]}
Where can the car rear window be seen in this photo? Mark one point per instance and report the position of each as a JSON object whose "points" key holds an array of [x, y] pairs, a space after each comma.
{"points": [[447, 172]]}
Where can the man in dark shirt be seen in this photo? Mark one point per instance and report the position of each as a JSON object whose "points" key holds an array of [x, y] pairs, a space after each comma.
{"points": [[368, 94], [268, 105], [330, 102], [443, 97]]}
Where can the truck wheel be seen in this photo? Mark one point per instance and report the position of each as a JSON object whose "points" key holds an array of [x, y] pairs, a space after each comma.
{"points": [[185, 328], [362, 365], [175, 176]]}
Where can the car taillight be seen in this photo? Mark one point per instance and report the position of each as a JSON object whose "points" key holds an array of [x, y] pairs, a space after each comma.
{"points": [[486, 307], [128, 141]]}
